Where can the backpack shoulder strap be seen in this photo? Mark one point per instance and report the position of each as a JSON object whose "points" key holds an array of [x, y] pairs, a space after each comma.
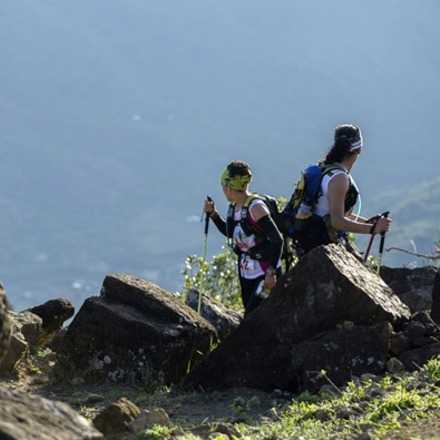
{"points": [[230, 221], [252, 197], [328, 169]]}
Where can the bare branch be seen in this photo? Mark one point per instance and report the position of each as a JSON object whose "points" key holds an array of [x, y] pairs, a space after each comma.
{"points": [[415, 254]]}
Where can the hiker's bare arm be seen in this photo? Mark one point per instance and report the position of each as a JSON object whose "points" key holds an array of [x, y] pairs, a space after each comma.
{"points": [[337, 190], [357, 218]]}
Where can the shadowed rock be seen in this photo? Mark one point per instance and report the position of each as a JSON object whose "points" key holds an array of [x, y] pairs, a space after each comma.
{"points": [[328, 286], [25, 416], [415, 359], [54, 313], [412, 286], [5, 330], [435, 312], [224, 320], [343, 353], [134, 331]]}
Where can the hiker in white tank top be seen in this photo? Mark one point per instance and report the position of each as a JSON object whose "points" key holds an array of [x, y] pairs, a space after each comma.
{"points": [[323, 206], [345, 151], [333, 217]]}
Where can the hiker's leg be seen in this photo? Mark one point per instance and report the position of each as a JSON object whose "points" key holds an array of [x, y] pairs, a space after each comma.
{"points": [[245, 291], [253, 301]]}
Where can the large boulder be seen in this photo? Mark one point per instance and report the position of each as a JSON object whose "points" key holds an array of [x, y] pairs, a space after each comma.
{"points": [[327, 287], [412, 286], [25, 416], [5, 329], [339, 354], [435, 311], [224, 320], [135, 331]]}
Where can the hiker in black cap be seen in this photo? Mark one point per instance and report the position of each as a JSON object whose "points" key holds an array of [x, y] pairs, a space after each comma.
{"points": [[338, 194]]}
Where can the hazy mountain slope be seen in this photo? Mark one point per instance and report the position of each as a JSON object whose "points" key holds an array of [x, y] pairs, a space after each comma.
{"points": [[416, 214], [116, 119]]}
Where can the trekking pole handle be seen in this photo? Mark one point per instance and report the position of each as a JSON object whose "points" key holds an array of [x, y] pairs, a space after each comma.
{"points": [[382, 238], [209, 199]]}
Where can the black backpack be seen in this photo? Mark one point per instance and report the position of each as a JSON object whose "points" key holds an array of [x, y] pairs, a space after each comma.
{"points": [[248, 227]]}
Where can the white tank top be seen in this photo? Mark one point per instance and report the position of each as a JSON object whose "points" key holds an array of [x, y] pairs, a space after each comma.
{"points": [[322, 207]]}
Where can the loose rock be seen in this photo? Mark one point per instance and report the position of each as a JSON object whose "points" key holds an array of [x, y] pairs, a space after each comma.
{"points": [[394, 366], [117, 417], [25, 416]]}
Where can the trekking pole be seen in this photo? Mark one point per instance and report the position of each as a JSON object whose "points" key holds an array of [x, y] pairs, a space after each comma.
{"points": [[205, 243], [382, 245], [205, 251], [370, 243]]}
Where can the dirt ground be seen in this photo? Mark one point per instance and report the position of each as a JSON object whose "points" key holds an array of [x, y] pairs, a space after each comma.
{"points": [[192, 411], [198, 412]]}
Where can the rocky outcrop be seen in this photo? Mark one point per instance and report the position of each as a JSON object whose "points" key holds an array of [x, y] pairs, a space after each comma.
{"points": [[435, 311], [5, 329], [339, 354], [24, 416], [224, 320], [53, 314], [416, 358], [418, 341], [327, 287], [135, 331], [25, 334], [412, 286], [17, 351], [29, 325]]}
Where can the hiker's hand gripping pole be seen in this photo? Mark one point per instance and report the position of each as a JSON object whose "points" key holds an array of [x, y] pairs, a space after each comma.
{"points": [[205, 250], [382, 245], [375, 220], [370, 243]]}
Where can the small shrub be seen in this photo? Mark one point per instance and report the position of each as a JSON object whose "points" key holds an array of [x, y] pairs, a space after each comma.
{"points": [[217, 278], [157, 432]]}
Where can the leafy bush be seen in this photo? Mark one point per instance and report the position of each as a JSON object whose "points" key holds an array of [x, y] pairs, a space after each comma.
{"points": [[216, 278]]}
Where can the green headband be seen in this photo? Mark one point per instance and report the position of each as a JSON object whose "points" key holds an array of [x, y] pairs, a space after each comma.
{"points": [[237, 183]]}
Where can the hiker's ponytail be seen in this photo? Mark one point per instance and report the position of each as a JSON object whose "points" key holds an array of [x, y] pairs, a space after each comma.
{"points": [[348, 139]]}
